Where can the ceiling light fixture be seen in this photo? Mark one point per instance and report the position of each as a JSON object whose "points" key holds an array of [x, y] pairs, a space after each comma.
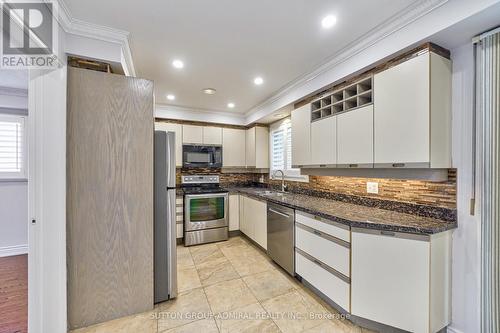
{"points": [[328, 21], [279, 115], [258, 80], [209, 91], [178, 64], [231, 105], [170, 97]]}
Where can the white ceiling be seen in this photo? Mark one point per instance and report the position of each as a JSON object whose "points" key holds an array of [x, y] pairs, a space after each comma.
{"points": [[226, 43]]}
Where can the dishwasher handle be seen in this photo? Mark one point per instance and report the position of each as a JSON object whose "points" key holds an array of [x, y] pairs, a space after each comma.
{"points": [[279, 213]]}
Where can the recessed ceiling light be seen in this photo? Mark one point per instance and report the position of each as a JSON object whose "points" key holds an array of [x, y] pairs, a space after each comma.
{"points": [[209, 91], [328, 21], [279, 115], [231, 105], [258, 80], [178, 64], [170, 97]]}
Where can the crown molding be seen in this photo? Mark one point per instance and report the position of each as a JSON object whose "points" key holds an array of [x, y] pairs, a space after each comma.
{"points": [[198, 114], [78, 27], [395, 23], [8, 91]]}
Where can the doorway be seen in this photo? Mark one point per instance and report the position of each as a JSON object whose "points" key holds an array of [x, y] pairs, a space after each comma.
{"points": [[14, 221]]}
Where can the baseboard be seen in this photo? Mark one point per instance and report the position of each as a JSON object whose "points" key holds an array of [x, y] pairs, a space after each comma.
{"points": [[453, 330], [13, 250]]}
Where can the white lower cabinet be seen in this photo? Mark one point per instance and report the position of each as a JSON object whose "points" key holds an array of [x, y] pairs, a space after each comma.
{"points": [[324, 280], [234, 212], [401, 280], [253, 222], [323, 256]]}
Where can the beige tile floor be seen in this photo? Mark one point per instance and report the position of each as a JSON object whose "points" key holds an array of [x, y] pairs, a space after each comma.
{"points": [[233, 287]]}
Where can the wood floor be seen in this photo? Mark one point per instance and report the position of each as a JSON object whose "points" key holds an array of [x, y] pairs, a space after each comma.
{"points": [[14, 294]]}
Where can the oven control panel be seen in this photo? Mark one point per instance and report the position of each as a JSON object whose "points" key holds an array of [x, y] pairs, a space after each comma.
{"points": [[200, 179]]}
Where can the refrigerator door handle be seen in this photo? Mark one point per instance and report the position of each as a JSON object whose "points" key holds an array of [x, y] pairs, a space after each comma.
{"points": [[172, 245], [171, 160]]}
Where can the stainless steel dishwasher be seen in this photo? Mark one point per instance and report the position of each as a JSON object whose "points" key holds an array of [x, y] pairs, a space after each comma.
{"points": [[280, 236]]}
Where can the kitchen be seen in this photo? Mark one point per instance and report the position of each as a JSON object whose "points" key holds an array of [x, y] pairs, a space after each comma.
{"points": [[226, 182]]}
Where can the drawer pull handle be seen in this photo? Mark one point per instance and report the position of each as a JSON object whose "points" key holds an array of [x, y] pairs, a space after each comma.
{"points": [[317, 263], [388, 233], [398, 165], [316, 232], [322, 165], [353, 165]]}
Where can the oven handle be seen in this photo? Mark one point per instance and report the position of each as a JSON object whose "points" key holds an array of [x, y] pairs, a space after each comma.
{"points": [[207, 195]]}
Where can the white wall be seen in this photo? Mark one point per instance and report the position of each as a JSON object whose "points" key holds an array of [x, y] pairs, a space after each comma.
{"points": [[466, 240], [13, 195]]}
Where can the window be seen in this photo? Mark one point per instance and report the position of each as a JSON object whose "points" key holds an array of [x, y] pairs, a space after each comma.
{"points": [[12, 147], [281, 150]]}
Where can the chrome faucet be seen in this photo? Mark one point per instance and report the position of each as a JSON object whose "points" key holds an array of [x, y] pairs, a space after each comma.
{"points": [[283, 186]]}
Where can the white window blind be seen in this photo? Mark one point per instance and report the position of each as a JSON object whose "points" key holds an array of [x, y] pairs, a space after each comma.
{"points": [[281, 150], [12, 147]]}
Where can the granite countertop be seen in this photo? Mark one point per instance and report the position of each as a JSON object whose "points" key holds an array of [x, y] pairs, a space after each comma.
{"points": [[351, 214]]}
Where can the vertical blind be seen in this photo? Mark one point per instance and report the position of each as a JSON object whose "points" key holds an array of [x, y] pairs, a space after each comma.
{"points": [[12, 146], [488, 106]]}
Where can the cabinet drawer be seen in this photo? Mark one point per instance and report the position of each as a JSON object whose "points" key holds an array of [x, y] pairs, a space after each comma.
{"points": [[333, 229], [330, 250], [329, 284]]}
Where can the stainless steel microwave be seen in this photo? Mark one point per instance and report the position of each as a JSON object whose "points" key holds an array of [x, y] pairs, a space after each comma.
{"points": [[201, 156]]}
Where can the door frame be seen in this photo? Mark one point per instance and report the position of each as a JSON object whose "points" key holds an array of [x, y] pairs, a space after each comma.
{"points": [[47, 306]]}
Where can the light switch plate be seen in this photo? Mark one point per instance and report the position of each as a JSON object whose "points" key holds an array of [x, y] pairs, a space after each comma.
{"points": [[372, 187]]}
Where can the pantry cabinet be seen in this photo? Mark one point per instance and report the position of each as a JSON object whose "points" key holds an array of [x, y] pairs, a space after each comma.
{"points": [[324, 142], [177, 129], [301, 136], [355, 138], [412, 114], [402, 280], [233, 148], [257, 147]]}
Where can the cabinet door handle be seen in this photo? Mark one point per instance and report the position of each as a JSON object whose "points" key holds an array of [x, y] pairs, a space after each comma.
{"points": [[398, 165], [353, 165], [388, 233], [316, 232], [322, 165]]}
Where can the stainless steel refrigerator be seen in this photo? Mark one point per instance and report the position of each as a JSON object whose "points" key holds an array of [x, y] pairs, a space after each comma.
{"points": [[165, 229]]}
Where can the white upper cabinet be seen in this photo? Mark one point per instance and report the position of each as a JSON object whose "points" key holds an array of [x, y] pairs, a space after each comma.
{"points": [[212, 135], [177, 129], [324, 142], [257, 147], [250, 148], [355, 138], [301, 136], [192, 134], [233, 148], [412, 114]]}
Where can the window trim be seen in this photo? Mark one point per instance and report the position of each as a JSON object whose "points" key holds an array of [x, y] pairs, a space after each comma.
{"points": [[295, 176], [23, 174]]}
